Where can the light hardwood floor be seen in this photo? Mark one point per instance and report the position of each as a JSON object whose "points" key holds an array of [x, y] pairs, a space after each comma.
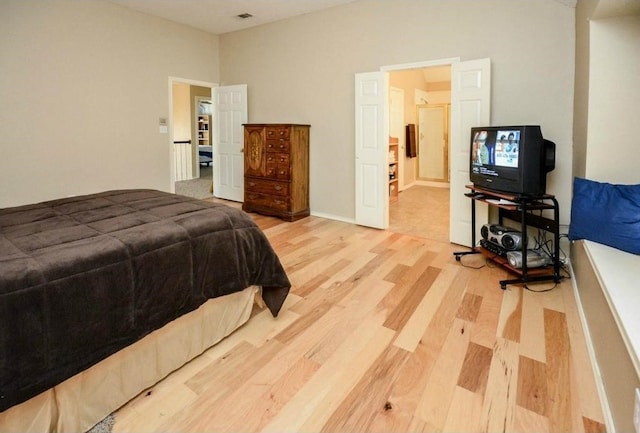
{"points": [[385, 332]]}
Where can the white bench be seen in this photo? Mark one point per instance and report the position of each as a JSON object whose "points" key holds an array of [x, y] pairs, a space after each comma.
{"points": [[607, 284]]}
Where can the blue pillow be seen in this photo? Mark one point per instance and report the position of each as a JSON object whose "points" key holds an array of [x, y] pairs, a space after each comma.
{"points": [[606, 213]]}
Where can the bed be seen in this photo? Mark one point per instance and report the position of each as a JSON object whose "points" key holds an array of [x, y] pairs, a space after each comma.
{"points": [[108, 293], [205, 154]]}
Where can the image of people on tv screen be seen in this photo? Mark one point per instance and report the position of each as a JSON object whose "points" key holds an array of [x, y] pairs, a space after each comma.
{"points": [[506, 153], [480, 149]]}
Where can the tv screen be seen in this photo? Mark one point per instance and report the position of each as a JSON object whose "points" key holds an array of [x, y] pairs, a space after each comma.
{"points": [[511, 159]]}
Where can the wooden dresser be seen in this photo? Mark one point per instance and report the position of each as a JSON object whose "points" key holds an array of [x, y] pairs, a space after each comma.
{"points": [[276, 170]]}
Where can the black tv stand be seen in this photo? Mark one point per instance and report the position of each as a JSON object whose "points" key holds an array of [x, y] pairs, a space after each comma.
{"points": [[519, 209]]}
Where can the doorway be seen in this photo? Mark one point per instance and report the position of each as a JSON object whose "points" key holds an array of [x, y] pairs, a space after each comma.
{"points": [[470, 106], [190, 129], [422, 207]]}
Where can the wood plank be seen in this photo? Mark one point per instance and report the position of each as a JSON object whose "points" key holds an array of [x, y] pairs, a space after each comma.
{"points": [[309, 286], [469, 307], [405, 394], [465, 412], [558, 371], [416, 326], [528, 421], [474, 373], [486, 285], [532, 386], [511, 314], [405, 283], [360, 303], [370, 395], [398, 317], [312, 406], [532, 331], [438, 393], [498, 409]]}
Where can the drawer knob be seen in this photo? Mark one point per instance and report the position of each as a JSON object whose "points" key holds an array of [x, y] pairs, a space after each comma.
{"points": [[277, 188], [252, 184]]}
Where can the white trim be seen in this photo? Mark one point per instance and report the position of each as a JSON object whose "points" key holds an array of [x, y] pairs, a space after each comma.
{"points": [[333, 217], [602, 393], [172, 80], [433, 183], [419, 65], [408, 185]]}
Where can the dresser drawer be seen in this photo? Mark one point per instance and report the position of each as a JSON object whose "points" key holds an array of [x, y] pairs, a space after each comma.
{"points": [[278, 158], [278, 171], [278, 166], [277, 132], [266, 201], [270, 187], [278, 145]]}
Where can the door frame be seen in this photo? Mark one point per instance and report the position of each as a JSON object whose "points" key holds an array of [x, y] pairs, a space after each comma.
{"points": [[447, 61], [172, 80], [453, 62]]}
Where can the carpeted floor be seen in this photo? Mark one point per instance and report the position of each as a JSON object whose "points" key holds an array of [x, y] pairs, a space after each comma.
{"points": [[104, 426], [197, 188]]}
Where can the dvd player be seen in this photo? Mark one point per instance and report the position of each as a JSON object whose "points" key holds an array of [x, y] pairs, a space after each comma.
{"points": [[493, 247]]}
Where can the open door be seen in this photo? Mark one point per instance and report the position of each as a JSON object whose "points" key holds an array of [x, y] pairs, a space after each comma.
{"points": [[470, 106], [230, 113], [372, 148]]}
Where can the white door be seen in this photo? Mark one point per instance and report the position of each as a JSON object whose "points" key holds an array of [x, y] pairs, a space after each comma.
{"points": [[432, 142], [470, 106], [230, 112], [372, 148]]}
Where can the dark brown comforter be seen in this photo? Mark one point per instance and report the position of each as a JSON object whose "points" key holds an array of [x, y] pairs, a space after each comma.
{"points": [[82, 277]]}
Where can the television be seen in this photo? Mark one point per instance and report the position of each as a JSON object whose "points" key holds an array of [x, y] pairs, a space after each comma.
{"points": [[511, 159]]}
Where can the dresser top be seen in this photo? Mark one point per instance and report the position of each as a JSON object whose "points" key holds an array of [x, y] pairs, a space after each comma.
{"points": [[274, 124]]}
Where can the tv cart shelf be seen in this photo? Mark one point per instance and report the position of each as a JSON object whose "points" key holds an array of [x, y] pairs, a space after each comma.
{"points": [[519, 209]]}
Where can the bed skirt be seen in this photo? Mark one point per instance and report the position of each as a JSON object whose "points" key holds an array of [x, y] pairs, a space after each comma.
{"points": [[83, 400]]}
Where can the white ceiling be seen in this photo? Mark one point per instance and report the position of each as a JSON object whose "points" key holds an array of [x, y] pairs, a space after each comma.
{"points": [[220, 16]]}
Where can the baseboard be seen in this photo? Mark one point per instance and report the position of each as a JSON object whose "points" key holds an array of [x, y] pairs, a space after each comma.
{"points": [[333, 217]]}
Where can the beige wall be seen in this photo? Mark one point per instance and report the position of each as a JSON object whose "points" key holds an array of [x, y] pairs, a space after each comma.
{"points": [[83, 85], [181, 112], [584, 11], [302, 70], [614, 92]]}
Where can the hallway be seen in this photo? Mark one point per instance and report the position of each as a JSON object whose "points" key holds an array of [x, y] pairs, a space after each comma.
{"points": [[421, 211]]}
